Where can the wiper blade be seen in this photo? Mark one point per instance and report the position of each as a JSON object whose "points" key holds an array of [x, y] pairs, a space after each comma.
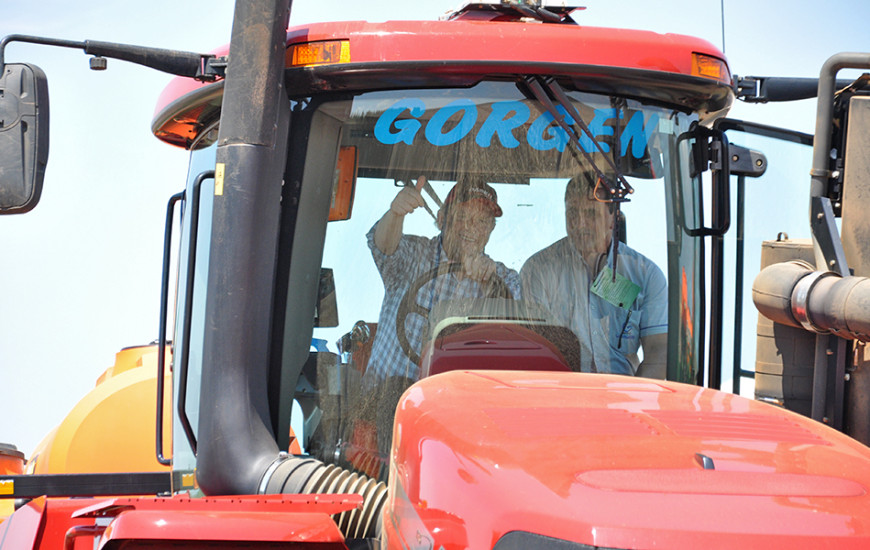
{"points": [[618, 189]]}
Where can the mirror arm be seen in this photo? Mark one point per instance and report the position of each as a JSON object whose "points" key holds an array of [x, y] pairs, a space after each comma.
{"points": [[194, 65]]}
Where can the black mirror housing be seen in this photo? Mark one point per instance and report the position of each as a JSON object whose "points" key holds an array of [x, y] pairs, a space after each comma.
{"points": [[23, 136]]}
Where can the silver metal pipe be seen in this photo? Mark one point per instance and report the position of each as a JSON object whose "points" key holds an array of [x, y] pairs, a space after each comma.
{"points": [[825, 113], [792, 293]]}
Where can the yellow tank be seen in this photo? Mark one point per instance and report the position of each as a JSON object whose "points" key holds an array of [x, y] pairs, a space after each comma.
{"points": [[112, 429]]}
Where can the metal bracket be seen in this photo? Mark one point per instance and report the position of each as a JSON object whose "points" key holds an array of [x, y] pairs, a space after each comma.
{"points": [[826, 235], [214, 67], [746, 162]]}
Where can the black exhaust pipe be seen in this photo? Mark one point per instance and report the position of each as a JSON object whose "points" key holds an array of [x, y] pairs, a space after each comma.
{"points": [[236, 444], [237, 452]]}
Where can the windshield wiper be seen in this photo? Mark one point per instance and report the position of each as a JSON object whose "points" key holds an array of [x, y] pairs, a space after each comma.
{"points": [[618, 188]]}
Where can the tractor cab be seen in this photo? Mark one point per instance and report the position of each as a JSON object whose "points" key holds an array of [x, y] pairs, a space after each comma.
{"points": [[416, 312], [510, 137]]}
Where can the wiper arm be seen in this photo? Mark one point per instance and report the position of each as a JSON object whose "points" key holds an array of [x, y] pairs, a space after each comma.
{"points": [[618, 189]]}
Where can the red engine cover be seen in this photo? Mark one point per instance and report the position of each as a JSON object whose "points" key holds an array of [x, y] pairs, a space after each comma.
{"points": [[616, 462]]}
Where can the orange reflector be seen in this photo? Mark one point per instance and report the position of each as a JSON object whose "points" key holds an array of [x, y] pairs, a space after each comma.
{"points": [[344, 184], [318, 53], [707, 66]]}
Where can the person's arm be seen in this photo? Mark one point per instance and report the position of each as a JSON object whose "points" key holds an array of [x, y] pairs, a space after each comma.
{"points": [[655, 356], [479, 268], [654, 318], [388, 230], [533, 287], [511, 279]]}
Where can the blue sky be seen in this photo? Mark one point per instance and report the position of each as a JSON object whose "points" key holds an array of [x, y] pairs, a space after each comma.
{"points": [[80, 274]]}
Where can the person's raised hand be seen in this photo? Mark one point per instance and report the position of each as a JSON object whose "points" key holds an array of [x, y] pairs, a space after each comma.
{"points": [[409, 198]]}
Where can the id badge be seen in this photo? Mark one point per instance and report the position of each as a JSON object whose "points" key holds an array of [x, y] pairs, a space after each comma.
{"points": [[621, 291]]}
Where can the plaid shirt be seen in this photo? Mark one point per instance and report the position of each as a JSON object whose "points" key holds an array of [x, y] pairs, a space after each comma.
{"points": [[415, 256]]}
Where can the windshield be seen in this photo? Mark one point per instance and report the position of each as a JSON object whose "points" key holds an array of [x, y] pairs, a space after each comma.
{"points": [[467, 233]]}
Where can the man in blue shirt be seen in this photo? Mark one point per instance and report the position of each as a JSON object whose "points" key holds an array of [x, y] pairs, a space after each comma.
{"points": [[466, 222], [571, 278]]}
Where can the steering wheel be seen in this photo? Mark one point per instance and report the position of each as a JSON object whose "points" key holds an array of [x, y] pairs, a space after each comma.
{"points": [[496, 285]]}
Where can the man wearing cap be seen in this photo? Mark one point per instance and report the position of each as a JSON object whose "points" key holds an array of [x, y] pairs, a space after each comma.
{"points": [[612, 317], [466, 221]]}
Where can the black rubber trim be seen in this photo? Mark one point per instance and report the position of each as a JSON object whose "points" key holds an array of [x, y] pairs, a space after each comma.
{"points": [[70, 485], [690, 92]]}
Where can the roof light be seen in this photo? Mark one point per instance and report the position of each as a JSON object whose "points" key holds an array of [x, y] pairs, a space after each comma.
{"points": [[707, 66], [318, 53]]}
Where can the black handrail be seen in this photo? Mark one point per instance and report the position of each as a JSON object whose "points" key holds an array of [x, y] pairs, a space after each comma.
{"points": [[716, 158], [737, 354], [161, 338], [773, 132], [184, 356]]}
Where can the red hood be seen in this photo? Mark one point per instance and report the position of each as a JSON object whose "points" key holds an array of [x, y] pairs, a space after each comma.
{"points": [[617, 462]]}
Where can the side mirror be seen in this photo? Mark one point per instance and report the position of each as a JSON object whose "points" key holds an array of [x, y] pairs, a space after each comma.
{"points": [[23, 136]]}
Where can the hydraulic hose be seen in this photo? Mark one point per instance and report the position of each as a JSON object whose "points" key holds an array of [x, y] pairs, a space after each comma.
{"points": [[794, 294]]}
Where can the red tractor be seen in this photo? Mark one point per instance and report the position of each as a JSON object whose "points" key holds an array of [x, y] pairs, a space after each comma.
{"points": [[342, 382]]}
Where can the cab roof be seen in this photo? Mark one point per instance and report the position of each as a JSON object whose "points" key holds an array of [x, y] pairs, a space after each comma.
{"points": [[395, 54]]}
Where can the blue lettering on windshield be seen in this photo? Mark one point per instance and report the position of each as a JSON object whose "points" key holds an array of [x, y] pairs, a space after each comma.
{"points": [[503, 120], [499, 123], [435, 129], [597, 128], [544, 135], [638, 134], [407, 128]]}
